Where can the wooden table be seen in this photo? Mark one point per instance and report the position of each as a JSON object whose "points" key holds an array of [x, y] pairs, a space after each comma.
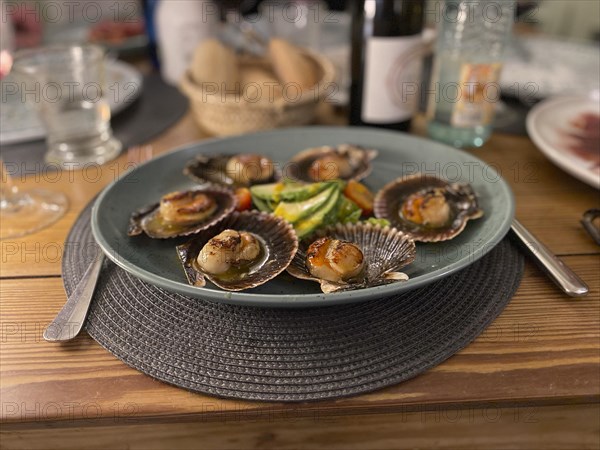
{"points": [[532, 380]]}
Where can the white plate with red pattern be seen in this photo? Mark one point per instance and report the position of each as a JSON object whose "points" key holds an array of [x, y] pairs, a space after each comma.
{"points": [[567, 131]]}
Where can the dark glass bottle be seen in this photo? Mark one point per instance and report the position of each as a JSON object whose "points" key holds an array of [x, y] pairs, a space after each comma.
{"points": [[386, 62]]}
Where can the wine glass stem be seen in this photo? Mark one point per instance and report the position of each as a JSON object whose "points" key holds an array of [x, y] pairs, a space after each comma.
{"points": [[10, 198]]}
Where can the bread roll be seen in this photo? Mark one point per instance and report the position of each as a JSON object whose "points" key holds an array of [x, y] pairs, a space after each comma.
{"points": [[214, 62], [259, 84], [290, 65]]}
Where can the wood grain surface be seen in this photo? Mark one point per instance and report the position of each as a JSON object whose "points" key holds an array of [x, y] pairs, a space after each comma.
{"points": [[528, 427], [542, 353]]}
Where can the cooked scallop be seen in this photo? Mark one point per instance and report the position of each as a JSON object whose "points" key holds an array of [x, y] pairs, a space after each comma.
{"points": [[345, 161], [182, 212], [243, 251], [249, 169], [228, 249], [427, 208], [334, 260], [187, 207], [353, 256], [241, 170]]}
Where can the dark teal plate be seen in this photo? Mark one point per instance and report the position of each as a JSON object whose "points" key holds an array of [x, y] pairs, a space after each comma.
{"points": [[156, 262]]}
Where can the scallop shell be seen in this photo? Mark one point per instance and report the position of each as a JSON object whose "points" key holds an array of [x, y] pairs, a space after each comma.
{"points": [[276, 235], [212, 169], [386, 251], [360, 159], [461, 197], [147, 219]]}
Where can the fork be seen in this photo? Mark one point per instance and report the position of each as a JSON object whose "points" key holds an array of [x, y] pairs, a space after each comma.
{"points": [[68, 323]]}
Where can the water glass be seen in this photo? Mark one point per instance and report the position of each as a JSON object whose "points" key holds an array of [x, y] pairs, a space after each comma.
{"points": [[67, 86]]}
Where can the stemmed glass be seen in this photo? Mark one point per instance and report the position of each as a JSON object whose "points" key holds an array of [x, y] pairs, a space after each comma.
{"points": [[23, 212]]}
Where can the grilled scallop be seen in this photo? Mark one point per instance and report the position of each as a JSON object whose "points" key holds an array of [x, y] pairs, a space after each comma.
{"points": [[334, 260], [182, 213], [346, 162], [353, 256], [243, 251], [427, 208], [234, 171]]}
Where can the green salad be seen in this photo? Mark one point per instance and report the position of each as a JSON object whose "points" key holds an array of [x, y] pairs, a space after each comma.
{"points": [[306, 206]]}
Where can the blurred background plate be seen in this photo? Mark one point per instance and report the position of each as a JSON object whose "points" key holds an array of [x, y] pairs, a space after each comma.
{"points": [[541, 67], [19, 121], [566, 130], [156, 261]]}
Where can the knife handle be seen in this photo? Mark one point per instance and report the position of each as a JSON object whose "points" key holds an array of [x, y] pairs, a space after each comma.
{"points": [[558, 271], [69, 321]]}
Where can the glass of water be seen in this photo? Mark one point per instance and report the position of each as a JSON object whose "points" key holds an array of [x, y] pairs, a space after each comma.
{"points": [[67, 86]]}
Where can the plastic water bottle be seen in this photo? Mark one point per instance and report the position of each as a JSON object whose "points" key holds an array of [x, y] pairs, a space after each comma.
{"points": [[464, 86]]}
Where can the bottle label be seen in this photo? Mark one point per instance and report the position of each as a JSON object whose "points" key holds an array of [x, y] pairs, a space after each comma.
{"points": [[392, 78], [474, 106]]}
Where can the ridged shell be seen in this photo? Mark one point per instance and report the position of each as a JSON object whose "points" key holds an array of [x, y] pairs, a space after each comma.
{"points": [[386, 251], [461, 197], [277, 236], [212, 169], [144, 219], [298, 168]]}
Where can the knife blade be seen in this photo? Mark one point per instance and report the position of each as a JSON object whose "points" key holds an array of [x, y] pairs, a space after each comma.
{"points": [[558, 271]]}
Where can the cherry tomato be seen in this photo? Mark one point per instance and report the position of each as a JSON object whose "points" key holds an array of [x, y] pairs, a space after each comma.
{"points": [[244, 199]]}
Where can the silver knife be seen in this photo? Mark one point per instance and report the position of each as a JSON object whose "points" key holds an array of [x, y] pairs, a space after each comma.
{"points": [[69, 321], [558, 271]]}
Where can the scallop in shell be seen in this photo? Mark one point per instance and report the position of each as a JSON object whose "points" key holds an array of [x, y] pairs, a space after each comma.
{"points": [[220, 255], [426, 207], [182, 213], [241, 170], [384, 251], [346, 162]]}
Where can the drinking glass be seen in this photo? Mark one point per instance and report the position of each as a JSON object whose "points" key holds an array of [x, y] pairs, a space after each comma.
{"points": [[299, 21], [67, 86], [25, 212], [22, 213]]}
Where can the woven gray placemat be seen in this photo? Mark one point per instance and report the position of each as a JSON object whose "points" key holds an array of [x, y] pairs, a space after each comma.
{"points": [[289, 355]]}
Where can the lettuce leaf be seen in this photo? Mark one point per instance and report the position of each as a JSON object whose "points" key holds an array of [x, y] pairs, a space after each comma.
{"points": [[347, 210]]}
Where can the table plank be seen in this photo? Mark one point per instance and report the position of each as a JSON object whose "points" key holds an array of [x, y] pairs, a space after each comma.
{"points": [[527, 427], [543, 349], [549, 201]]}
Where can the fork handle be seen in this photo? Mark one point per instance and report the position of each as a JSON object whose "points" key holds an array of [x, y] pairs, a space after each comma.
{"points": [[558, 271], [69, 321]]}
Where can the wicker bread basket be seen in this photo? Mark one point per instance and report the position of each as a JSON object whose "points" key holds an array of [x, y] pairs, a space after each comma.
{"points": [[227, 113]]}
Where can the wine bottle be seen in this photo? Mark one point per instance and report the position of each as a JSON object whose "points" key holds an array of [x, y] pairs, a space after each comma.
{"points": [[386, 62], [180, 26]]}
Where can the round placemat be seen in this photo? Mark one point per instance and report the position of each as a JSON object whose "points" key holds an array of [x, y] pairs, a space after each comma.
{"points": [[289, 354]]}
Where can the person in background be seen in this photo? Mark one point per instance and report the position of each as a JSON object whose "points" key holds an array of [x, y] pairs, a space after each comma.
{"points": [[7, 42], [25, 23], [65, 21]]}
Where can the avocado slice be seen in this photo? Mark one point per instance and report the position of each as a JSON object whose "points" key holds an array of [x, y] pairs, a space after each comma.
{"points": [[295, 192], [261, 204], [287, 192], [267, 191], [295, 211], [311, 223]]}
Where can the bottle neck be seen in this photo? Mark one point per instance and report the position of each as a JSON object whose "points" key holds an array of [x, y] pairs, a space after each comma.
{"points": [[393, 17]]}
